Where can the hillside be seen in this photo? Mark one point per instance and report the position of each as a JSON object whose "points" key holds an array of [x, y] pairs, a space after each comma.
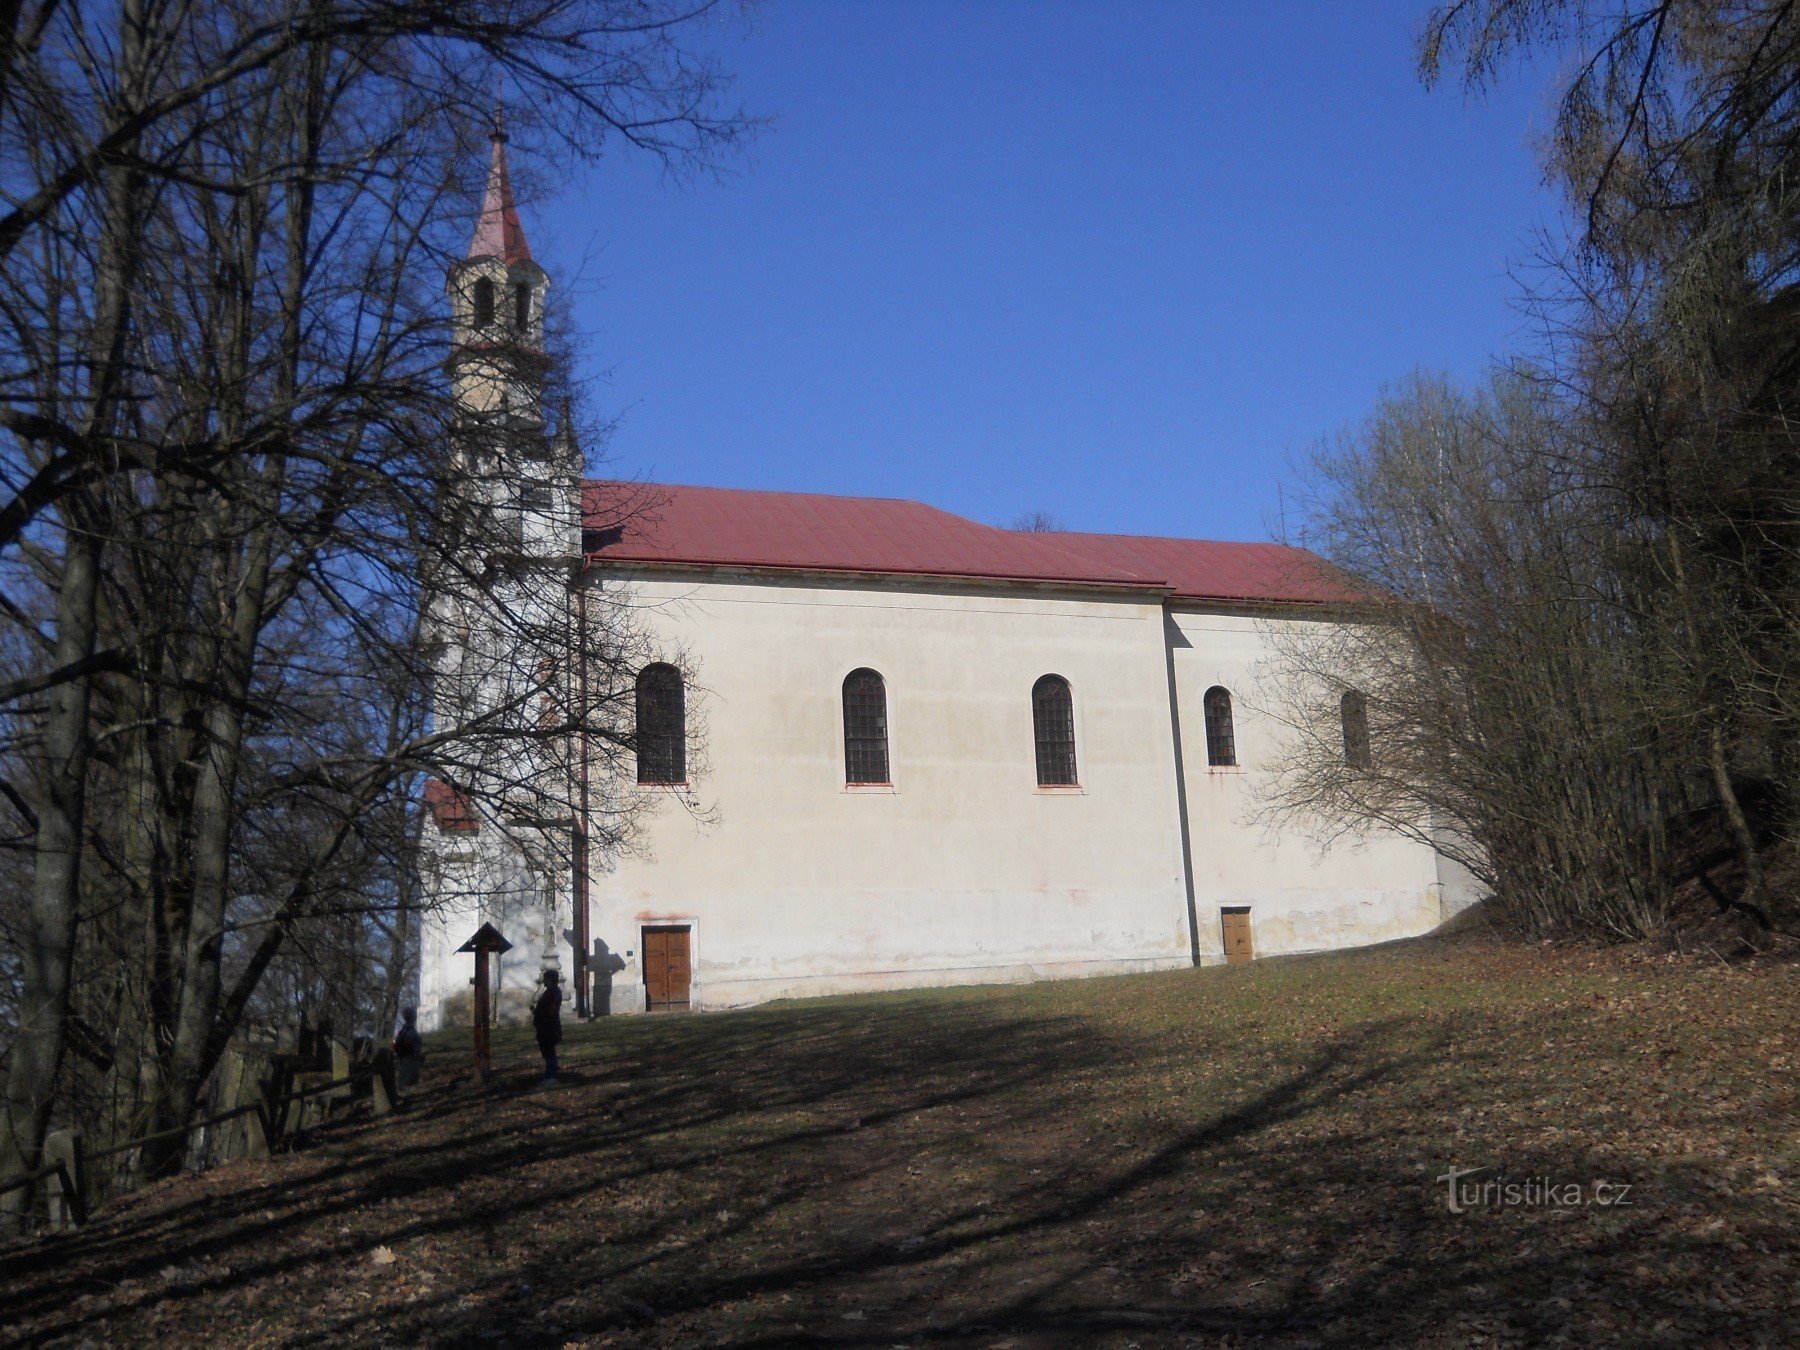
{"points": [[1229, 1153]]}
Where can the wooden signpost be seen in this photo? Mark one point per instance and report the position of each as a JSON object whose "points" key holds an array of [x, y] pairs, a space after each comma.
{"points": [[487, 939]]}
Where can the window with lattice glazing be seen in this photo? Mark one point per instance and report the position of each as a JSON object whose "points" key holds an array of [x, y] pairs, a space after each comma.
{"points": [[865, 728], [661, 725], [1053, 722], [1221, 736]]}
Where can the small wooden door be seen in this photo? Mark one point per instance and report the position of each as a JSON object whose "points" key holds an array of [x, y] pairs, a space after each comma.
{"points": [[1236, 924], [668, 968]]}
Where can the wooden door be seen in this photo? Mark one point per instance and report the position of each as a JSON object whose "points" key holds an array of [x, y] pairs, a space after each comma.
{"points": [[1236, 925], [668, 968]]}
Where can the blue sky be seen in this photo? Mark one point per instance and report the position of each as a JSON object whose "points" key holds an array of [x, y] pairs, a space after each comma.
{"points": [[1114, 261]]}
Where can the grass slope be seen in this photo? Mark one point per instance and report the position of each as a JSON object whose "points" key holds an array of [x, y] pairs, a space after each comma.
{"points": [[1203, 1157]]}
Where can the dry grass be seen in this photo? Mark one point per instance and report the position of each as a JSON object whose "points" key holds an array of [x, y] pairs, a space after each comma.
{"points": [[1200, 1157]]}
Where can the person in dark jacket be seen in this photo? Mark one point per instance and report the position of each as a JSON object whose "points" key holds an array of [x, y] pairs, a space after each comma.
{"points": [[409, 1049], [546, 1020]]}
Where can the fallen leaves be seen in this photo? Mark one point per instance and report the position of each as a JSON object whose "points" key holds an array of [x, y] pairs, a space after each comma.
{"points": [[1253, 1153]]}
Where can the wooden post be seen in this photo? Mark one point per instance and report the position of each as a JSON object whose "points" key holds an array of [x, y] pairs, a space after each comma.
{"points": [[277, 1110], [239, 1136], [482, 1064], [340, 1070], [66, 1189], [257, 1128], [487, 940], [227, 1133], [381, 1082]]}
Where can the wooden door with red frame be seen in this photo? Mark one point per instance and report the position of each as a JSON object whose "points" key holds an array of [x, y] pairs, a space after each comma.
{"points": [[668, 967]]}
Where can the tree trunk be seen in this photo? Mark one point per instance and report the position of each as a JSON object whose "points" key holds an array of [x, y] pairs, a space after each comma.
{"points": [[49, 944], [1756, 889], [48, 949]]}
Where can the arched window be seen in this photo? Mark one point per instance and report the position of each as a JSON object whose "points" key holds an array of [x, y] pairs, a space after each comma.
{"points": [[1356, 729], [484, 302], [521, 307], [1221, 737], [865, 728], [1053, 725], [661, 725]]}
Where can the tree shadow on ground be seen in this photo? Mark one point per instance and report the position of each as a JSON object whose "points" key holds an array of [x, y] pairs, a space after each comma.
{"points": [[948, 1170], [804, 1074]]}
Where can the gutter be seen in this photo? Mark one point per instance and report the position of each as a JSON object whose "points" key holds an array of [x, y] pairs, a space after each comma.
{"points": [[1146, 588], [1157, 590], [579, 901]]}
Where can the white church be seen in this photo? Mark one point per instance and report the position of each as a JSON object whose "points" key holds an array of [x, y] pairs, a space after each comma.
{"points": [[875, 745]]}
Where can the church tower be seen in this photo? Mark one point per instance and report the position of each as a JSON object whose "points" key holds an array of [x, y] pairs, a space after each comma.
{"points": [[499, 845], [497, 369]]}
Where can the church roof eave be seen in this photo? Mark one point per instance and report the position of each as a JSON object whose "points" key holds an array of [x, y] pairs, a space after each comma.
{"points": [[1147, 590]]}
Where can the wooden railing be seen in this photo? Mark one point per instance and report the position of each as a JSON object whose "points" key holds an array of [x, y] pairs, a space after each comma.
{"points": [[270, 1119]]}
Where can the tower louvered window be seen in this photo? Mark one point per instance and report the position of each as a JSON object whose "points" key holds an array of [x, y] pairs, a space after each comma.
{"points": [[1221, 736], [661, 725], [521, 306], [484, 302], [865, 728], [1355, 710], [1053, 725]]}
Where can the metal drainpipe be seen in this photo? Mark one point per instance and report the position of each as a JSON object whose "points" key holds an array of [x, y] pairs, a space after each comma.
{"points": [[579, 902]]}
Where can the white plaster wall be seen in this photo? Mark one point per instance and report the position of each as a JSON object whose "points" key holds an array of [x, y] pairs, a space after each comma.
{"points": [[965, 870], [1302, 896], [513, 876], [475, 879]]}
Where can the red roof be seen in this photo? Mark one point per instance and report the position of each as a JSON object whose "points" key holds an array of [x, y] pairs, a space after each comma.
{"points": [[450, 809], [498, 233], [1212, 569], [800, 531]]}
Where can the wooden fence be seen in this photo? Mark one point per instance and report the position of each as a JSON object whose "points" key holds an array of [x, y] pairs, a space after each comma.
{"points": [[265, 1113]]}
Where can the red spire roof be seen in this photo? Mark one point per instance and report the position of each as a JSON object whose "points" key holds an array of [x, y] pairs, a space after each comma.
{"points": [[498, 233]]}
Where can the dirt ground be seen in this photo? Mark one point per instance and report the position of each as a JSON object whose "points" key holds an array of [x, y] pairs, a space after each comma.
{"points": [[1203, 1157]]}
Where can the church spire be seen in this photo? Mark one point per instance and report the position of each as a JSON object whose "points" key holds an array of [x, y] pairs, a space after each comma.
{"points": [[498, 233], [497, 308]]}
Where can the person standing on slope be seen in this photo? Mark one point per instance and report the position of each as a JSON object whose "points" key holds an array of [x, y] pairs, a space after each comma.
{"points": [[409, 1049], [546, 1020]]}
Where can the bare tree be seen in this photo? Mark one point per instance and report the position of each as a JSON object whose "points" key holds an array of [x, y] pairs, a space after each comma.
{"points": [[224, 442], [1589, 654], [1503, 695], [1676, 145]]}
